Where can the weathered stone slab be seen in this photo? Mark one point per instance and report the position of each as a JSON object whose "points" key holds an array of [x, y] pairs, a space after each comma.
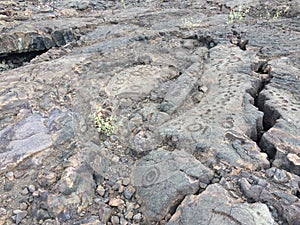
{"points": [[280, 102], [26, 138], [225, 113], [136, 82], [216, 206], [179, 91], [163, 178], [277, 188], [25, 38]]}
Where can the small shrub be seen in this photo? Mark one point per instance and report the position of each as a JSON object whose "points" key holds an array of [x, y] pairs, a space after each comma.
{"points": [[237, 16], [275, 14], [190, 23], [104, 124]]}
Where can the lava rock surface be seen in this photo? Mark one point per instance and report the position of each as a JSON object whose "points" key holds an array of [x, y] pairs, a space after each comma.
{"points": [[203, 99]]}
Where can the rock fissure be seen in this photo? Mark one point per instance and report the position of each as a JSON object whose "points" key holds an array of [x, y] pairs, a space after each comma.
{"points": [[265, 70], [228, 215], [15, 60]]}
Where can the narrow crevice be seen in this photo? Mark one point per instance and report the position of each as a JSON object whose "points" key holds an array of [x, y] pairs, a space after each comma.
{"points": [[174, 208], [263, 68], [270, 115], [15, 60]]}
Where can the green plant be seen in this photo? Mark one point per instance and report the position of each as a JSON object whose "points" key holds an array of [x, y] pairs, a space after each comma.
{"points": [[104, 124], [190, 23], [275, 14], [237, 16]]}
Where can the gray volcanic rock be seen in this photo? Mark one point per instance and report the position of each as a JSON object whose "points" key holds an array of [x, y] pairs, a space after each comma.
{"points": [[184, 85], [232, 117], [25, 38], [171, 175], [277, 188], [216, 206], [280, 102], [23, 140], [203, 97]]}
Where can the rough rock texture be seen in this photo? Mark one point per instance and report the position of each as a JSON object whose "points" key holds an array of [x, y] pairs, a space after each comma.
{"points": [[163, 178], [216, 206], [203, 97]]}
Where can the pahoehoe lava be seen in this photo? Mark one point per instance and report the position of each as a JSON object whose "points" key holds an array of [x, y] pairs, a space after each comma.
{"points": [[149, 112]]}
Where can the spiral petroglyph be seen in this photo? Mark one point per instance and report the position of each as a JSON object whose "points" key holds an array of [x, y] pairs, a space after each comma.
{"points": [[151, 176]]}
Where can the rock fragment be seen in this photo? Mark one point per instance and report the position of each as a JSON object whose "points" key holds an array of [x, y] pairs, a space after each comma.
{"points": [[116, 202], [169, 174], [216, 206], [19, 215]]}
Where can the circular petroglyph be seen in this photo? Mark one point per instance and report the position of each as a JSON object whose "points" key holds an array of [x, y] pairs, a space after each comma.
{"points": [[120, 81], [151, 176], [194, 127]]}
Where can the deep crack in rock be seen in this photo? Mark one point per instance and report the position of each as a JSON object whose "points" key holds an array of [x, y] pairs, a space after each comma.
{"points": [[15, 60]]}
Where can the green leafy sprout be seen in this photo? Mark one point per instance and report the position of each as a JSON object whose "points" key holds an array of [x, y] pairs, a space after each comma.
{"points": [[237, 16], [105, 125], [275, 14], [190, 23]]}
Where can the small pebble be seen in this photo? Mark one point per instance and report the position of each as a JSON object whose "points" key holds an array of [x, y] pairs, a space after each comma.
{"points": [[36, 194], [82, 5], [18, 174], [129, 192], [116, 186], [121, 189], [31, 188], [129, 206], [23, 206], [116, 202], [113, 138], [202, 185], [137, 217], [106, 143], [2, 212], [162, 222], [123, 221], [51, 178], [10, 176], [104, 213], [19, 215], [105, 200], [100, 190], [204, 89], [25, 191], [129, 215], [8, 186], [115, 159], [115, 220], [126, 181]]}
